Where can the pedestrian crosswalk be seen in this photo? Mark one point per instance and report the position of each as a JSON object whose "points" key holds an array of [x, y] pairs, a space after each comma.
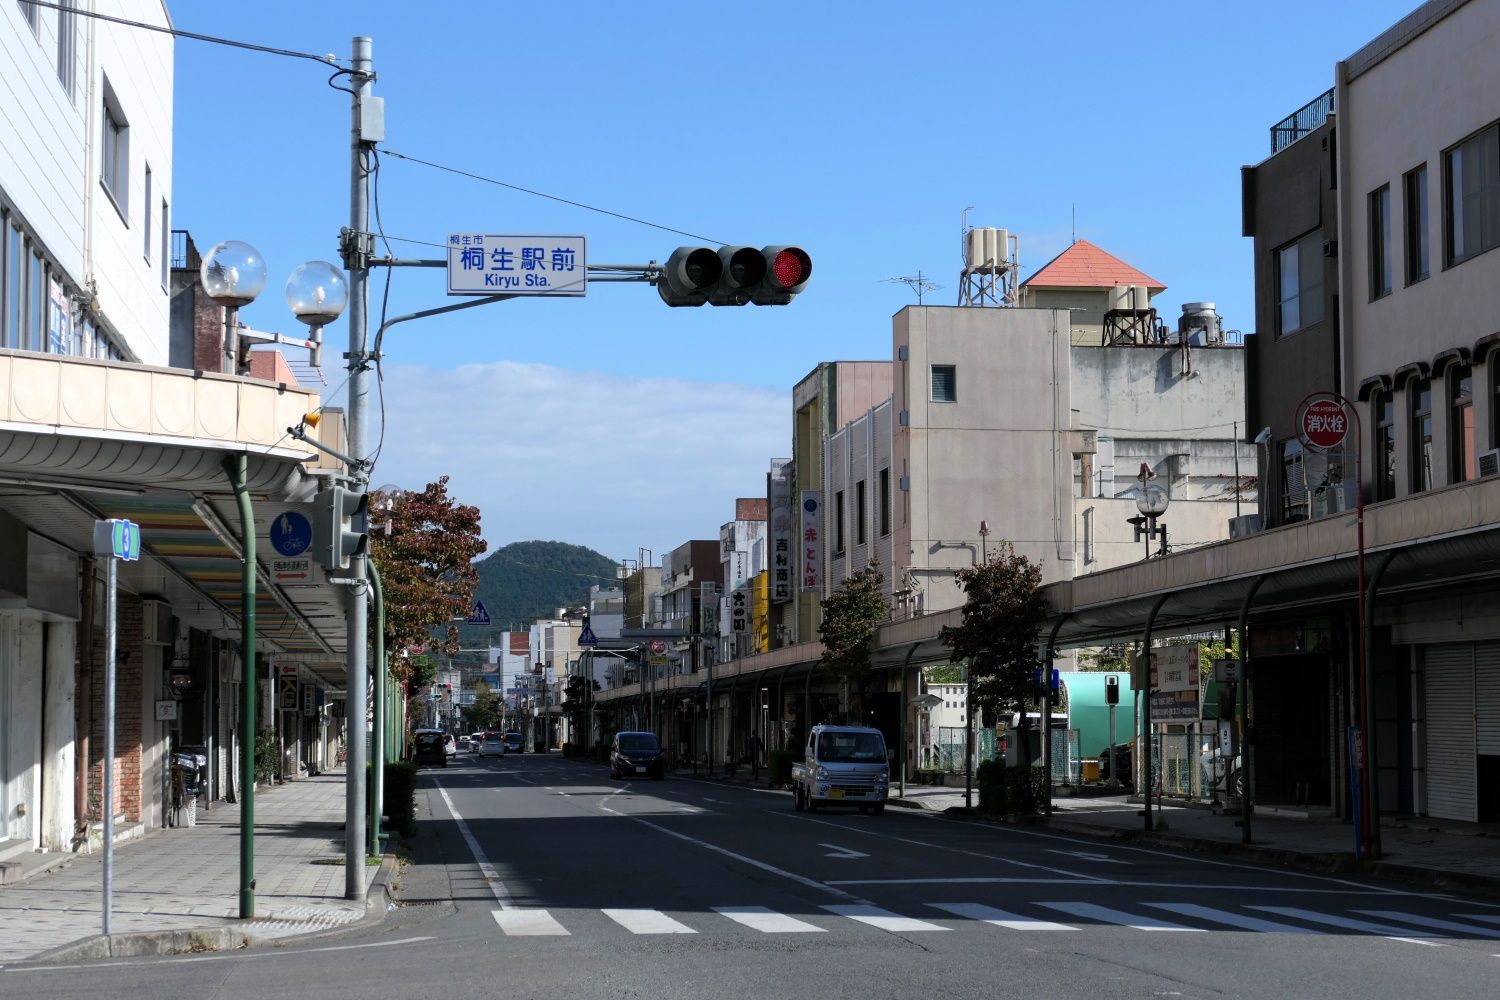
{"points": [[1432, 929]]}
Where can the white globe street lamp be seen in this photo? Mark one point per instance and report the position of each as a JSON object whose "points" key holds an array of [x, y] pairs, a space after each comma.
{"points": [[233, 274], [317, 293]]}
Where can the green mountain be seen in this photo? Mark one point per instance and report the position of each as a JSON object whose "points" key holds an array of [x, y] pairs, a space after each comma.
{"points": [[524, 581]]}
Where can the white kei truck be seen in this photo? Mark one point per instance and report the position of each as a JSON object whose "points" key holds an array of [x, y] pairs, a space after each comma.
{"points": [[842, 765]]}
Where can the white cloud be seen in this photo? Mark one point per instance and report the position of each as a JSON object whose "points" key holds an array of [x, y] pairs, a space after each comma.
{"points": [[579, 456]]}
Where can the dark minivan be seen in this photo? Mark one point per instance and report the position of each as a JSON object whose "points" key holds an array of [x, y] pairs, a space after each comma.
{"points": [[430, 747], [636, 753]]}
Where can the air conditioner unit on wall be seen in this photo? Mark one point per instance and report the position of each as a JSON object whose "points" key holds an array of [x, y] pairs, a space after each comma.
{"points": [[156, 623], [1489, 462]]}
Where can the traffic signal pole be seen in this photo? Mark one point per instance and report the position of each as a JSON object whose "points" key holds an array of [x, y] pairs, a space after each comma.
{"points": [[355, 615]]}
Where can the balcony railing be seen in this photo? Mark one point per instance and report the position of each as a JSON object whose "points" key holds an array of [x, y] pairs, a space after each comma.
{"points": [[1302, 121]]}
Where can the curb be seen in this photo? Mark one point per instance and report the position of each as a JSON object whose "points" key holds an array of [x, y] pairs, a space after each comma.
{"points": [[1321, 863], [203, 940]]}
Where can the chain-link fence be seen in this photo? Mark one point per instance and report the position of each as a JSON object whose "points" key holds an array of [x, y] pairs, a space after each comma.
{"points": [[951, 744]]}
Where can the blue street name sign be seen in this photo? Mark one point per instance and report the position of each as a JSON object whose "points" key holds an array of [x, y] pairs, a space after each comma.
{"points": [[117, 538]]}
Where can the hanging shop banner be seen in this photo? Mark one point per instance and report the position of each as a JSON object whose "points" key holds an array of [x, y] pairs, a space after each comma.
{"points": [[812, 544], [783, 563]]}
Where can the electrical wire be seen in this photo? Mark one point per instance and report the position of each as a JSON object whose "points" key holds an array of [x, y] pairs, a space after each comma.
{"points": [[71, 8], [553, 197]]}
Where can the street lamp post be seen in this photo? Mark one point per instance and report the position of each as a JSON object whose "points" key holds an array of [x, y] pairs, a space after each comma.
{"points": [[233, 274]]}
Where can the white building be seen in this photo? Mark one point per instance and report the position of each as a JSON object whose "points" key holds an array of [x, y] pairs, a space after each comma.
{"points": [[1004, 425]]}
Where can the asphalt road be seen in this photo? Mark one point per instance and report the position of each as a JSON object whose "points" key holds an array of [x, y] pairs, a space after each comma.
{"points": [[540, 877]]}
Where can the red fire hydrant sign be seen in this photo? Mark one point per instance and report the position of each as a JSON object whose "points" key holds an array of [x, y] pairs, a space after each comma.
{"points": [[1324, 424]]}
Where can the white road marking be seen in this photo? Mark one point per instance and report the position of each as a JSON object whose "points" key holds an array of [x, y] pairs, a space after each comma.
{"points": [[1442, 925], [491, 877], [1348, 923], [842, 852], [1093, 911], [238, 956], [972, 880], [647, 922], [942, 847], [767, 921], [1089, 856], [518, 922], [1231, 919], [763, 866], [883, 919], [1000, 918]]}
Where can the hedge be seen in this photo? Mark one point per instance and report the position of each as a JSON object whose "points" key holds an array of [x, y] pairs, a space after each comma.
{"points": [[401, 797], [1005, 790], [779, 764]]}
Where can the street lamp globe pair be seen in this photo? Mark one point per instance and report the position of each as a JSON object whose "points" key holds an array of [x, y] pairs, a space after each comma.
{"points": [[234, 274]]}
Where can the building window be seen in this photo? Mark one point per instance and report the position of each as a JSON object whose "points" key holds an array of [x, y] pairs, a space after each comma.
{"points": [[1293, 482], [1414, 184], [34, 336], [114, 154], [1420, 394], [1461, 442], [29, 11], [838, 522], [1380, 242], [15, 272], [859, 512], [1471, 195], [1299, 284], [165, 236], [1384, 408], [885, 502], [1494, 369], [146, 216], [66, 34], [944, 384]]}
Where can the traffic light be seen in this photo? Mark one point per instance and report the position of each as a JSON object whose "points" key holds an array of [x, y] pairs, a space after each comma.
{"points": [[340, 523], [734, 276]]}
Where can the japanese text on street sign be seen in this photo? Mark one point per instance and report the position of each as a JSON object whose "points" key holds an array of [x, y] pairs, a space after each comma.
{"points": [[782, 564], [812, 524], [1324, 424], [516, 265]]}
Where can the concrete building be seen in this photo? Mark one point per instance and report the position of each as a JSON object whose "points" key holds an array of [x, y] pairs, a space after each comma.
{"points": [[743, 554], [962, 445], [825, 400]]}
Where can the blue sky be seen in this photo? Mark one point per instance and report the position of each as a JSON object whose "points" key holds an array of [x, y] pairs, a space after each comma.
{"points": [[859, 131]]}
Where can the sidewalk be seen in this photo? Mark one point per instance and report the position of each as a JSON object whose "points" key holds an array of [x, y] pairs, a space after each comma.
{"points": [[1429, 854], [1434, 854], [176, 880]]}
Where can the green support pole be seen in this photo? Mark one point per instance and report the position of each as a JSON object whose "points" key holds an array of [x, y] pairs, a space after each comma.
{"points": [[236, 467], [378, 738]]}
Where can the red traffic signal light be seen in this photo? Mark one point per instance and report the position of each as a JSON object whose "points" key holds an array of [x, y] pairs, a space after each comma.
{"points": [[734, 276]]}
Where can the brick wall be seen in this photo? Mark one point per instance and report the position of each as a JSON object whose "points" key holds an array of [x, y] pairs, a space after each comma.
{"points": [[129, 640], [208, 333]]}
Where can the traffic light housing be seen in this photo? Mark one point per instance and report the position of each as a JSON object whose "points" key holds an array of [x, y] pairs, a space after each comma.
{"points": [[340, 526], [734, 276]]}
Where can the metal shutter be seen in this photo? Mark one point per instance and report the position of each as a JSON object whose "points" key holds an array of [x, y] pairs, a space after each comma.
{"points": [[1451, 787], [1487, 699]]}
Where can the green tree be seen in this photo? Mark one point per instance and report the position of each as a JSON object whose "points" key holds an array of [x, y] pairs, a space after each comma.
{"points": [[945, 673], [851, 614], [484, 713], [997, 635], [426, 556]]}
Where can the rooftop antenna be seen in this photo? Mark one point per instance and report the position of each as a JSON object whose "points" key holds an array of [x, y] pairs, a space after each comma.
{"points": [[919, 284], [1075, 222]]}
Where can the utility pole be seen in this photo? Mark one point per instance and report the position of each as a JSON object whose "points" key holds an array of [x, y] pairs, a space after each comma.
{"points": [[366, 126]]}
